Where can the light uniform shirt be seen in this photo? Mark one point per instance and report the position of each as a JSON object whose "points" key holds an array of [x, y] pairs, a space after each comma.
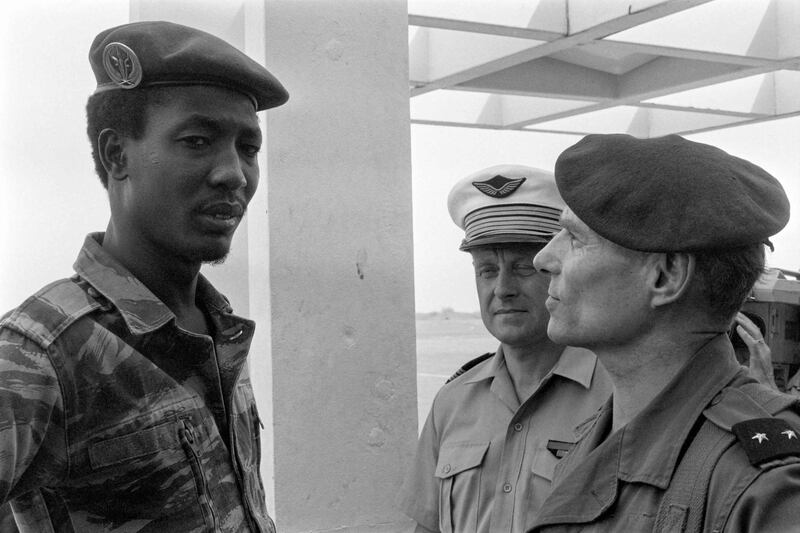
{"points": [[483, 462]]}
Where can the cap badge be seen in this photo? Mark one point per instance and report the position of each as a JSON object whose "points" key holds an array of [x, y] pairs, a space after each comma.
{"points": [[122, 65], [499, 186]]}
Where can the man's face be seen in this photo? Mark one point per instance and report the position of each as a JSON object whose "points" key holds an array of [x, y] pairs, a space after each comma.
{"points": [[191, 175], [597, 289], [511, 294]]}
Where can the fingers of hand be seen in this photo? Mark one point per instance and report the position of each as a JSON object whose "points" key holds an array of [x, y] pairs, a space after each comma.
{"points": [[746, 336], [748, 325]]}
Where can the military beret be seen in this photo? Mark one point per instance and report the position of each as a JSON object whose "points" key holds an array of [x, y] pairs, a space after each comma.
{"points": [[158, 53], [669, 194], [506, 204]]}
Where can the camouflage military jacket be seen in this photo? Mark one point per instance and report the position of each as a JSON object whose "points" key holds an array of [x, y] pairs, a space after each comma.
{"points": [[102, 426]]}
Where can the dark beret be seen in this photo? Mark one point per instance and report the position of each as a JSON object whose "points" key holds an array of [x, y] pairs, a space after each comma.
{"points": [[669, 194], [157, 53]]}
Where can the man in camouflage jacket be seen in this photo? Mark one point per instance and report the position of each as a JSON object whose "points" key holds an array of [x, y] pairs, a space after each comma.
{"points": [[125, 397]]}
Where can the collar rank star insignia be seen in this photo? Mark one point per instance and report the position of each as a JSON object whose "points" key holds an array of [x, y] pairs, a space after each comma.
{"points": [[499, 186], [767, 439], [122, 65]]}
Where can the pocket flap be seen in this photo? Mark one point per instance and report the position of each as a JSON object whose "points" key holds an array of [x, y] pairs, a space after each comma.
{"points": [[544, 463], [457, 457], [134, 445]]}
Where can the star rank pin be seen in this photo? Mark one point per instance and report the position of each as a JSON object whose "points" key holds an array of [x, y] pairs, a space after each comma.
{"points": [[767, 439]]}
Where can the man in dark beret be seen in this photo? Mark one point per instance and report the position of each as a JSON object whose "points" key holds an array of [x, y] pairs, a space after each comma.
{"points": [[662, 241], [125, 398]]}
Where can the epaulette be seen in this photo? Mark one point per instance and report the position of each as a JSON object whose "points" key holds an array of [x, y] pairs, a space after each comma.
{"points": [[747, 412], [742, 413], [46, 314], [469, 365], [767, 439]]}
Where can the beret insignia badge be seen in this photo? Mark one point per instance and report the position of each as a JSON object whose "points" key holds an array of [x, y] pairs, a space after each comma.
{"points": [[499, 186], [122, 65]]}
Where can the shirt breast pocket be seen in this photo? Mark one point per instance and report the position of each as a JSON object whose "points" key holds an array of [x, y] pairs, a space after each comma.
{"points": [[544, 464], [459, 472], [141, 460]]}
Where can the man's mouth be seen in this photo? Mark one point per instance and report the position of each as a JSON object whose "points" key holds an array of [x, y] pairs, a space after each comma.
{"points": [[223, 215], [223, 210]]}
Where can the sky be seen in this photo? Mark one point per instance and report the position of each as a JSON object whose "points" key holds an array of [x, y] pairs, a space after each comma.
{"points": [[51, 196]]}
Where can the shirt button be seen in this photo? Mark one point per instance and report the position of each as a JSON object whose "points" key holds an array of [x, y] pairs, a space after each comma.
{"points": [[446, 469], [517, 427], [507, 487]]}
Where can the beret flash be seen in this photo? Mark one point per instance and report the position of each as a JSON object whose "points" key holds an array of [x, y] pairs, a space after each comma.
{"points": [[669, 194], [158, 53]]}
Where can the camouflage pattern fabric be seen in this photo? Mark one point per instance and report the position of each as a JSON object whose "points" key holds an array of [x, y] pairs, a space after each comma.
{"points": [[114, 419]]}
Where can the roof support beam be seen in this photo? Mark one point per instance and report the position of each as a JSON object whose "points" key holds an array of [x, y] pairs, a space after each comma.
{"points": [[603, 29]]}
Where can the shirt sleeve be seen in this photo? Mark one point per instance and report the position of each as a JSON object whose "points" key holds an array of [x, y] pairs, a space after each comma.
{"points": [[31, 417], [419, 497], [771, 503]]}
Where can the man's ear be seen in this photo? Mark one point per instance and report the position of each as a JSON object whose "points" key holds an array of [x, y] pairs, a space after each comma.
{"points": [[671, 276], [111, 149]]}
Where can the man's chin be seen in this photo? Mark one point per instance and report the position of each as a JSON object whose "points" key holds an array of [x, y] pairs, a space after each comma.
{"points": [[212, 255], [558, 335]]}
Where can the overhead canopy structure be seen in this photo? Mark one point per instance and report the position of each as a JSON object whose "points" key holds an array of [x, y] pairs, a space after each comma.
{"points": [[644, 67]]}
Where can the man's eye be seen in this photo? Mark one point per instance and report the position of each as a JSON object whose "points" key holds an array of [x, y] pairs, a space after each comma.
{"points": [[573, 240], [524, 270], [195, 141], [487, 273], [251, 150]]}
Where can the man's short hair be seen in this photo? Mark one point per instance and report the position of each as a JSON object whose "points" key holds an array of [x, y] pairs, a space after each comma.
{"points": [[123, 111], [725, 278]]}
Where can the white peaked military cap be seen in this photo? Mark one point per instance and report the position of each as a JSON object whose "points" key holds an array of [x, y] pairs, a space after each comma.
{"points": [[506, 204]]}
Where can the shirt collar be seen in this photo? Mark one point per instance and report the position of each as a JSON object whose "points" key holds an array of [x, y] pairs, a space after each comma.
{"points": [[576, 364], [673, 412], [493, 366], [142, 311]]}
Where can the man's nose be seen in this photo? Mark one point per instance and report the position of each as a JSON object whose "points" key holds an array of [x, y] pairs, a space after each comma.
{"points": [[506, 284], [229, 170], [545, 260]]}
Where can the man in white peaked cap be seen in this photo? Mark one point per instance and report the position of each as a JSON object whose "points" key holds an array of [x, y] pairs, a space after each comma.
{"points": [[498, 427]]}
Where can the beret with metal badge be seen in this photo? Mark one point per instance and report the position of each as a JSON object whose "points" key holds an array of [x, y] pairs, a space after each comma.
{"points": [[506, 204], [669, 194], [159, 53]]}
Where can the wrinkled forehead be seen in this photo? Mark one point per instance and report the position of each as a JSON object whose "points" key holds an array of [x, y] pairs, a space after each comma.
{"points": [[570, 222]]}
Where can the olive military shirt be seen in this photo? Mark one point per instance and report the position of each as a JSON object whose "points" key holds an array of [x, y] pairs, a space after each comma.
{"points": [[482, 461], [112, 418], [616, 482]]}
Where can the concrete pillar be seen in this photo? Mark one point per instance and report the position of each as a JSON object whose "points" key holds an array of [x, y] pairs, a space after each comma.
{"points": [[341, 263], [325, 263]]}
